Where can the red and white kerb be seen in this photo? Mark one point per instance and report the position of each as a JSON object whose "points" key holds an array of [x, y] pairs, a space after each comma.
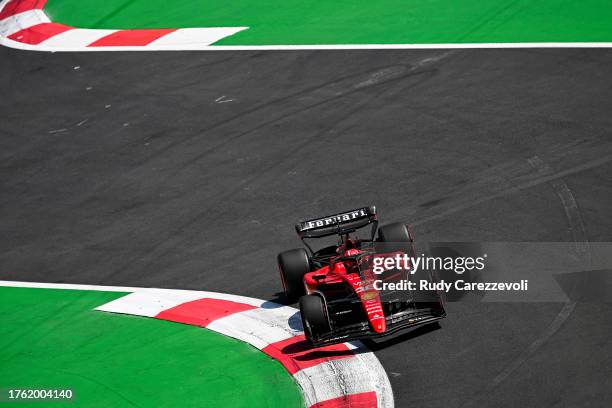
{"points": [[342, 375], [24, 25]]}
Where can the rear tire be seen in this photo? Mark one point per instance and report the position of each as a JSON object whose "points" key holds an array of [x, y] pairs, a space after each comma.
{"points": [[292, 265], [314, 317], [396, 232]]}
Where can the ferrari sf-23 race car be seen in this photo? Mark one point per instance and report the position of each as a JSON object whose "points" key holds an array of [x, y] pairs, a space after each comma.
{"points": [[338, 297]]}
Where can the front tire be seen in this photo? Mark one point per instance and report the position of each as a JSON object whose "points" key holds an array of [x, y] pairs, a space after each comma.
{"points": [[292, 265], [314, 317], [400, 234]]}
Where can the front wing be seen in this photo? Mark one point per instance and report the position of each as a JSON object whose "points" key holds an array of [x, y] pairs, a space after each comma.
{"points": [[396, 322]]}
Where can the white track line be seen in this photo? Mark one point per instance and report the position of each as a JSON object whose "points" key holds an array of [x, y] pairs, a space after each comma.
{"points": [[414, 46], [71, 286], [312, 47]]}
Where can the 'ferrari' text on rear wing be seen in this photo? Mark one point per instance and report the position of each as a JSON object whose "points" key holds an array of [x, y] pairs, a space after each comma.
{"points": [[336, 224]]}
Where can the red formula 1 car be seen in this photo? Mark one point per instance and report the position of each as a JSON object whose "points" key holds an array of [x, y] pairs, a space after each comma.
{"points": [[340, 296]]}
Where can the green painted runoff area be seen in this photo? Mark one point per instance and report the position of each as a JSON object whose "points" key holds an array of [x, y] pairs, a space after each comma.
{"points": [[293, 22], [54, 338]]}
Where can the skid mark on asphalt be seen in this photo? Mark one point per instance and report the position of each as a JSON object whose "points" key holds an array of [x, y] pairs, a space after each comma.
{"points": [[265, 114], [390, 73], [282, 109], [521, 183], [307, 100], [317, 97], [572, 212], [497, 179], [556, 324], [577, 228], [175, 237], [298, 102]]}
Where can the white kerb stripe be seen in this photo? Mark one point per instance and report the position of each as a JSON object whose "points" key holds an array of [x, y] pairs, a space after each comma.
{"points": [[194, 36], [378, 375], [232, 298], [147, 303], [333, 379], [77, 37], [151, 302], [18, 22], [254, 327], [364, 366]]}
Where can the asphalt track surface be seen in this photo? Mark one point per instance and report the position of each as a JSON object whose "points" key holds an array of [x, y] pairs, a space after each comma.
{"points": [[188, 170]]}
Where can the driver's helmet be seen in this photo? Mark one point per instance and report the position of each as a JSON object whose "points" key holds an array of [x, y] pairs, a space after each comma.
{"points": [[351, 252], [351, 265]]}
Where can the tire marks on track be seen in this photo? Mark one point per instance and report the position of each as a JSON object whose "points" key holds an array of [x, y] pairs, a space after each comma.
{"points": [[522, 183], [306, 100], [570, 207], [317, 97], [579, 236]]}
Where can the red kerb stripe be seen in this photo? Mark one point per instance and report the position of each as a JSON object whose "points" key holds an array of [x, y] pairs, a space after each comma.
{"points": [[38, 33], [203, 312], [19, 6], [362, 400], [124, 38], [296, 354]]}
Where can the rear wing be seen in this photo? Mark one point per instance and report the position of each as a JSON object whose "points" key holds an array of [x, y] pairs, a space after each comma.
{"points": [[340, 224]]}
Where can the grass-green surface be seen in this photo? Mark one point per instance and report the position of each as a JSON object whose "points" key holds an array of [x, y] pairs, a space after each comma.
{"points": [[275, 22], [54, 338]]}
